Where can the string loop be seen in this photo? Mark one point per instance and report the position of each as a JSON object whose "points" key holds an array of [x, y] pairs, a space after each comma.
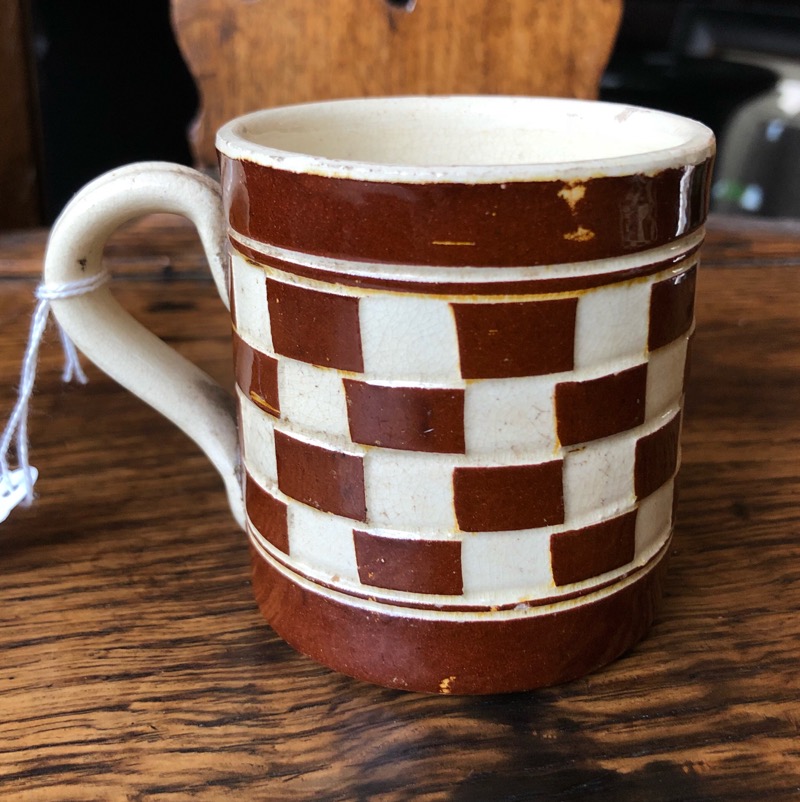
{"points": [[16, 485]]}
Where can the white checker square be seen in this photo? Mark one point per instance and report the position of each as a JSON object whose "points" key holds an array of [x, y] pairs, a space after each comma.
{"points": [[250, 302], [312, 398], [497, 566], [514, 415], [259, 436], [409, 490], [599, 476], [653, 521], [612, 324], [665, 371], [408, 337], [321, 543]]}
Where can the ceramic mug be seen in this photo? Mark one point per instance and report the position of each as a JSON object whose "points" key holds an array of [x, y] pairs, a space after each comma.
{"points": [[460, 330]]}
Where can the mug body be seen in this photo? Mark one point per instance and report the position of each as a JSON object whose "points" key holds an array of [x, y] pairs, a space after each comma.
{"points": [[461, 327]]}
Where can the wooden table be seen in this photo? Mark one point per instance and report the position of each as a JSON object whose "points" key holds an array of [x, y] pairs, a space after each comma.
{"points": [[134, 665]]}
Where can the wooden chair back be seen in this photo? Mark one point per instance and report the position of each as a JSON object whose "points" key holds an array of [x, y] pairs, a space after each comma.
{"points": [[249, 54]]}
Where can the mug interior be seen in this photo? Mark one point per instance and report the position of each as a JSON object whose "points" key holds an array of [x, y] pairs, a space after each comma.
{"points": [[440, 134]]}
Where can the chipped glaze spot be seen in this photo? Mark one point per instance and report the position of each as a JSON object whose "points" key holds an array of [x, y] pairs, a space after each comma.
{"points": [[573, 194], [581, 234]]}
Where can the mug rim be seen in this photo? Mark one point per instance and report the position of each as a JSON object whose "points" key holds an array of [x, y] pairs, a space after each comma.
{"points": [[694, 141]]}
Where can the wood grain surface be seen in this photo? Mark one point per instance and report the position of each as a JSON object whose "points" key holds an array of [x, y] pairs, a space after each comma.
{"points": [[134, 665], [263, 53]]}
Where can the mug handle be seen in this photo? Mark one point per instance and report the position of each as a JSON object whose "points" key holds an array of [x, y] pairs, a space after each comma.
{"points": [[111, 338]]}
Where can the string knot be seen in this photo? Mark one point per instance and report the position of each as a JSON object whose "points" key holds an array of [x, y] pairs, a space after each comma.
{"points": [[17, 485], [71, 289]]}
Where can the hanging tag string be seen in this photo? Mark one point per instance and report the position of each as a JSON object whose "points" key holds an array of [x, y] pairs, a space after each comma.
{"points": [[21, 481]]}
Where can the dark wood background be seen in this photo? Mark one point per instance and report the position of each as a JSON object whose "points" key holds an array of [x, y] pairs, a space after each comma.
{"points": [[134, 664]]}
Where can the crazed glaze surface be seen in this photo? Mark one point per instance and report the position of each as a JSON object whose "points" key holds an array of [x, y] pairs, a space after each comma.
{"points": [[460, 411]]}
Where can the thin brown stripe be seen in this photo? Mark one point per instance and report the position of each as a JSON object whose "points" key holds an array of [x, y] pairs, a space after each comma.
{"points": [[488, 288], [447, 224]]}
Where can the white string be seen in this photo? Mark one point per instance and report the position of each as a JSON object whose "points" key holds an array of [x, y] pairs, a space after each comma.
{"points": [[20, 482]]}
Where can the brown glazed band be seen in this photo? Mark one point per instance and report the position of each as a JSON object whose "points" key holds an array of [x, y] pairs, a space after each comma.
{"points": [[511, 224], [461, 657], [519, 287]]}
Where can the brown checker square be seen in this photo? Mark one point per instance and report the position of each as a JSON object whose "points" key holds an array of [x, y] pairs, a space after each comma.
{"points": [[329, 480], [509, 497], [409, 418], [671, 308], [657, 457], [317, 327], [583, 553], [526, 338], [415, 566], [267, 514], [257, 375], [596, 408]]}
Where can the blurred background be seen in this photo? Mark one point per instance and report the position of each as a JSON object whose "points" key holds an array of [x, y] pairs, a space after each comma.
{"points": [[88, 85]]}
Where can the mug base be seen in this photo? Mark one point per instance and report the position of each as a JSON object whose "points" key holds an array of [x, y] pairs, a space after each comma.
{"points": [[476, 655]]}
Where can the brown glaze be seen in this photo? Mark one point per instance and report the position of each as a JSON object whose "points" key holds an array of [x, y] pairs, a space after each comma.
{"points": [[657, 457], [589, 410], [671, 308], [519, 287], [257, 375], [508, 497], [329, 480], [508, 224], [593, 550], [416, 566], [457, 657], [312, 326], [528, 338], [411, 418], [267, 514]]}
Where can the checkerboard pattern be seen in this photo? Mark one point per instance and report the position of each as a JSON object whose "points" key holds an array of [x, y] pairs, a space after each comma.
{"points": [[472, 450]]}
